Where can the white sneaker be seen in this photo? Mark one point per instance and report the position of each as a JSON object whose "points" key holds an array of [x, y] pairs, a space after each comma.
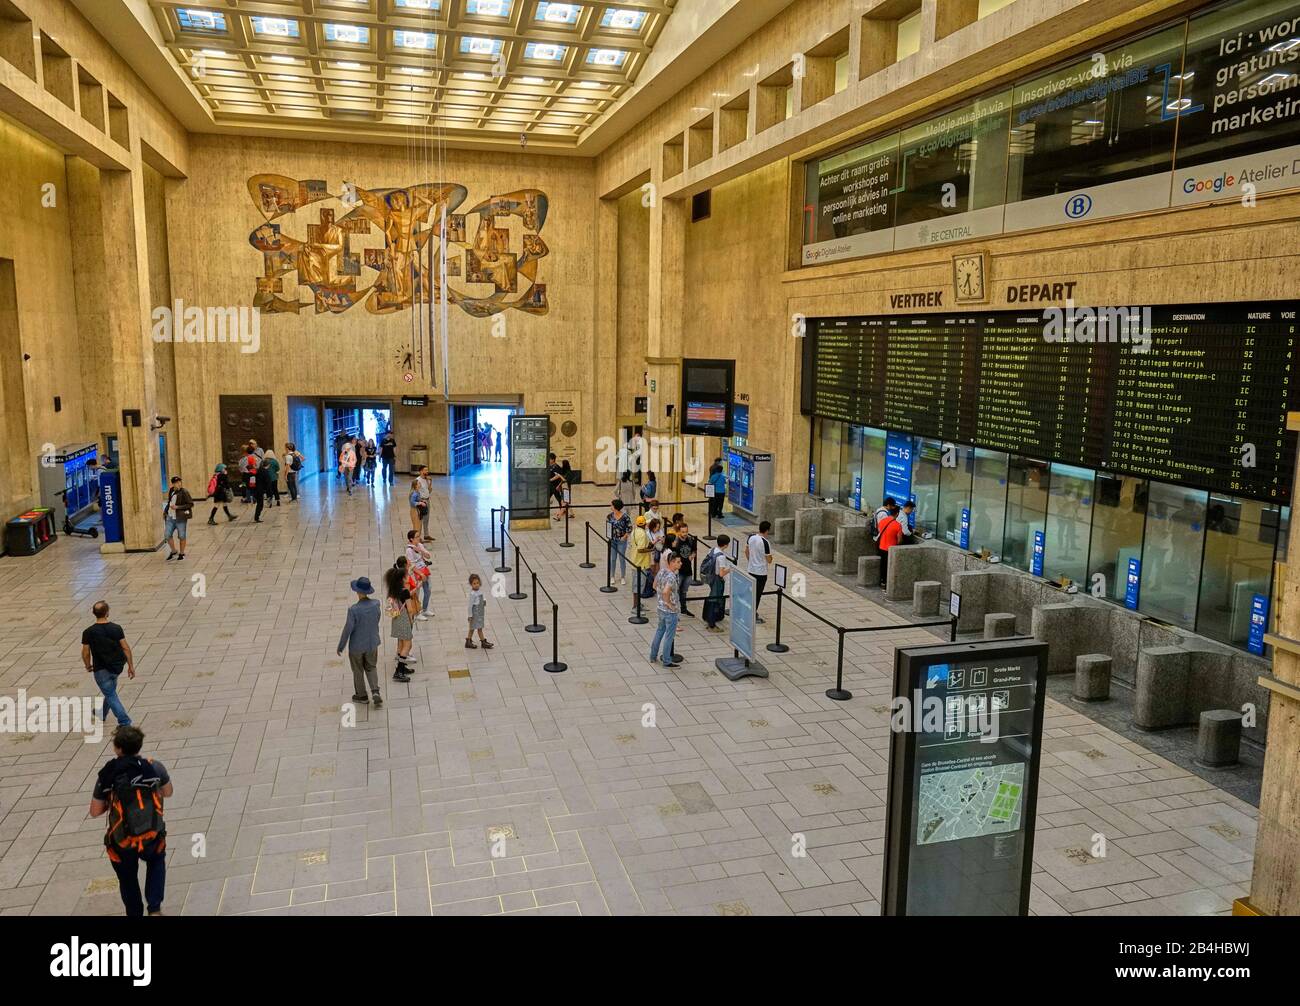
{"points": [[422, 617], [623, 582], [407, 659]]}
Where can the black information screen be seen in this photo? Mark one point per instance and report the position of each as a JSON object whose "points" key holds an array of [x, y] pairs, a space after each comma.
{"points": [[530, 489], [966, 737], [1210, 391]]}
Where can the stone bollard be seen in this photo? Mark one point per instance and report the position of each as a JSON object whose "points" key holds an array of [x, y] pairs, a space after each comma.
{"points": [[1218, 739], [783, 530], [1161, 688], [999, 625], [869, 570], [823, 548], [925, 597], [1092, 677]]}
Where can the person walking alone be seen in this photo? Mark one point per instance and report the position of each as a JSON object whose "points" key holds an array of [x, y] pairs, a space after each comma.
{"points": [[372, 457], [388, 455], [498, 451], [177, 514], [347, 464], [131, 791], [272, 465], [105, 652], [361, 637], [293, 460], [219, 492], [261, 486]]}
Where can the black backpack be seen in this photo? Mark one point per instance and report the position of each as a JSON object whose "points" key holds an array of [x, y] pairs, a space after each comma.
{"points": [[296, 463], [709, 567], [135, 810]]}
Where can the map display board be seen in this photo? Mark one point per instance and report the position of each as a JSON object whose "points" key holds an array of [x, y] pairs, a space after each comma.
{"points": [[530, 442], [967, 726], [1189, 397]]}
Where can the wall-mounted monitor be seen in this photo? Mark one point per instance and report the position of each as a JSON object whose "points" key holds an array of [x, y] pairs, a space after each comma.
{"points": [[708, 390]]}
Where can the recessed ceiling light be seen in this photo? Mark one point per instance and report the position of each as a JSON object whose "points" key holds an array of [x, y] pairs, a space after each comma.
{"points": [[488, 8], [214, 52], [282, 59], [348, 66], [414, 39], [353, 33], [532, 80], [407, 69], [558, 13]]}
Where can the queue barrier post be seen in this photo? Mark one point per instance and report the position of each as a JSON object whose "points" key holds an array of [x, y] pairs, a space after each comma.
{"points": [[555, 666], [638, 618], [839, 693], [695, 563], [708, 534], [778, 646], [536, 625], [518, 595], [587, 563], [492, 525], [566, 543], [504, 567], [609, 587]]}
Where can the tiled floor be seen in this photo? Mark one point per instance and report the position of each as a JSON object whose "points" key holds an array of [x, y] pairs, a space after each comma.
{"points": [[296, 811]]}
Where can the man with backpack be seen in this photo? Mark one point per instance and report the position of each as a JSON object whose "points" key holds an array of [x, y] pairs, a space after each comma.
{"points": [[294, 459], [713, 571], [131, 791]]}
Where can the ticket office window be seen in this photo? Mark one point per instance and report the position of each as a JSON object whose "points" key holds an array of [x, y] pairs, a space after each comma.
{"points": [[850, 464], [988, 501], [830, 442], [1171, 553], [1027, 481], [1240, 542], [1069, 516], [954, 492], [927, 467], [1118, 519], [873, 468]]}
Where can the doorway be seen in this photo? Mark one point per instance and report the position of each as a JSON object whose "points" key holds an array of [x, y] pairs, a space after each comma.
{"points": [[480, 438], [344, 419]]}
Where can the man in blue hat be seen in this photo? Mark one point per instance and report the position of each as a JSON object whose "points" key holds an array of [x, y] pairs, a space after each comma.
{"points": [[361, 637]]}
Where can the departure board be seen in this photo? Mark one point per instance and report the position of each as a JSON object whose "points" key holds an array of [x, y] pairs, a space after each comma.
{"points": [[1192, 396]]}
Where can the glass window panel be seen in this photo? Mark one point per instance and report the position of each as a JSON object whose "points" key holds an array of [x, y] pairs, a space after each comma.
{"points": [[926, 469], [1026, 509], [1171, 553], [1072, 128], [964, 151], [828, 473], [850, 465], [873, 468], [1118, 517], [954, 494], [1283, 534], [1240, 536], [989, 501], [852, 192], [1069, 516]]}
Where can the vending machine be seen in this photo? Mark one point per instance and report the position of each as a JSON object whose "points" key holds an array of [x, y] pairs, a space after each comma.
{"points": [[749, 478], [66, 480]]}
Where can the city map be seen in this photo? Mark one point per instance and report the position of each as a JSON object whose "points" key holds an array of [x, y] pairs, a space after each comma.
{"points": [[969, 803]]}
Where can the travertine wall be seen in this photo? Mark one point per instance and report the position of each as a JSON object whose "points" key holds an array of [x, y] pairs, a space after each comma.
{"points": [[358, 353]]}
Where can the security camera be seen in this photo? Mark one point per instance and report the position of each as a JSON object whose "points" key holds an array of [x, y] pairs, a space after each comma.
{"points": [[159, 422], [523, 140]]}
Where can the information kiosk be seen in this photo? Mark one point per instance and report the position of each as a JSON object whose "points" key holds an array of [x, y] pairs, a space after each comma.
{"points": [[744, 600], [966, 733], [530, 490]]}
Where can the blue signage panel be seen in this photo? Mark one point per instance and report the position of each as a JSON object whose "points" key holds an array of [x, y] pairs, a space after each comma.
{"points": [[110, 503], [857, 492], [1036, 563], [1258, 624], [898, 467], [965, 527], [743, 595], [1131, 585], [740, 420], [812, 480]]}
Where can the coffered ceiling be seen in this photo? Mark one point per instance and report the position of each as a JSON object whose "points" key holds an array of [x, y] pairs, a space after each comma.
{"points": [[477, 70]]}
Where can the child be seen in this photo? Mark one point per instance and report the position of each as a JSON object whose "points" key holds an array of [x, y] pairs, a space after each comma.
{"points": [[477, 608]]}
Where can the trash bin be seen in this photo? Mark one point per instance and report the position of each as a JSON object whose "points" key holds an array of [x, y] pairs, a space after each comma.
{"points": [[419, 457], [30, 532]]}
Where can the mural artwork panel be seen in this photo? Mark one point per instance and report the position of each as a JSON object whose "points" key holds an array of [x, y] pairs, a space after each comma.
{"points": [[384, 251]]}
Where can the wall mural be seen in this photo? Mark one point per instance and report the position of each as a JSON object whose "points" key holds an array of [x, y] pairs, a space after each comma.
{"points": [[408, 219]]}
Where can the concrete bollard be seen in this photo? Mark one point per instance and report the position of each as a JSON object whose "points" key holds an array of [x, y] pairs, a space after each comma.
{"points": [[823, 548], [925, 597], [999, 625], [868, 570], [1218, 739], [783, 530], [1092, 677]]}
